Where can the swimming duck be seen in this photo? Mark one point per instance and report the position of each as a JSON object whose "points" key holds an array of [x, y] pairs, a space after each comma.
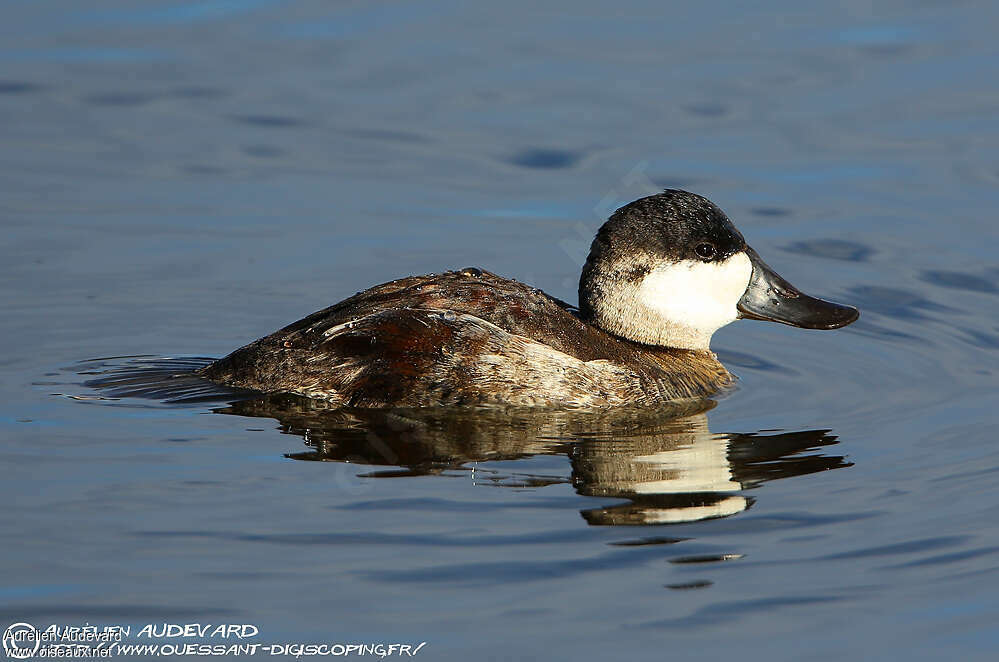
{"points": [[663, 274]]}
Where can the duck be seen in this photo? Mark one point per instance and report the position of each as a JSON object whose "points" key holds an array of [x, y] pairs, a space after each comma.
{"points": [[663, 274]]}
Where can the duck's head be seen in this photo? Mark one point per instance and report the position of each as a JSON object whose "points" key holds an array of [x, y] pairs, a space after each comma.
{"points": [[671, 269]]}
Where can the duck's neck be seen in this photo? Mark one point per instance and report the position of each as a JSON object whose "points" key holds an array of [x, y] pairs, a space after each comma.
{"points": [[634, 308], [679, 373]]}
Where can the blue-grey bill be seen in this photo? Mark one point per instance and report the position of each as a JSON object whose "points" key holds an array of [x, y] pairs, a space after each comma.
{"points": [[769, 297]]}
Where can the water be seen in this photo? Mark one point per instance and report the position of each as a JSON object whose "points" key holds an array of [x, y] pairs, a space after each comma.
{"points": [[181, 178]]}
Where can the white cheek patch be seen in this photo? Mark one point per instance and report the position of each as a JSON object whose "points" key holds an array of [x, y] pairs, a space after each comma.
{"points": [[701, 296]]}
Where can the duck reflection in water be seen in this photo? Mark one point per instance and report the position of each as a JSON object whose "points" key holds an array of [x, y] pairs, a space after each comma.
{"points": [[666, 464]]}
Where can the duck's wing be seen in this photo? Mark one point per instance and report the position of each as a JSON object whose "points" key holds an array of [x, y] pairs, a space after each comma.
{"points": [[414, 357], [511, 305]]}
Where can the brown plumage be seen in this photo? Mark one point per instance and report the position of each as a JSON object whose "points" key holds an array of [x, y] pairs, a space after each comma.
{"points": [[464, 337]]}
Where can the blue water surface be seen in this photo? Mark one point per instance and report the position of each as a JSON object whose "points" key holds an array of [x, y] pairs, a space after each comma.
{"points": [[179, 178]]}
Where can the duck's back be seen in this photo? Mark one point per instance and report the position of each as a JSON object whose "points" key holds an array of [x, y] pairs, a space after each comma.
{"points": [[462, 338]]}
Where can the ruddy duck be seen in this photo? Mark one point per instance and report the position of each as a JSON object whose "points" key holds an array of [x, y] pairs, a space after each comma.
{"points": [[664, 273]]}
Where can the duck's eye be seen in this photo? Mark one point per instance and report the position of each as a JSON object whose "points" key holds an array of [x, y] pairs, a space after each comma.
{"points": [[705, 251]]}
